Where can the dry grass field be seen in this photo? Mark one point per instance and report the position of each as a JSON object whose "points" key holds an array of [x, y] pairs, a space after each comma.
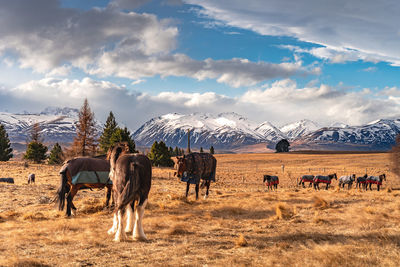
{"points": [[239, 224]]}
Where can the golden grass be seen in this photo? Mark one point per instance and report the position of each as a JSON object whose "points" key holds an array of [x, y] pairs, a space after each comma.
{"points": [[238, 225]]}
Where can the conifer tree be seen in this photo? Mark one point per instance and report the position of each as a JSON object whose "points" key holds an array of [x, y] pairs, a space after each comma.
{"points": [[5, 146], [56, 155], [159, 155], [108, 130], [201, 150], [85, 141], [36, 150], [171, 151], [123, 135], [212, 150]]}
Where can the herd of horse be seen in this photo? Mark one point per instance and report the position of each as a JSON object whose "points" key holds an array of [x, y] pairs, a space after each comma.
{"points": [[127, 177], [363, 182]]}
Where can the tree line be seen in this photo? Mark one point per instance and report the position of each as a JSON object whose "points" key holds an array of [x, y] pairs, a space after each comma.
{"points": [[86, 143]]}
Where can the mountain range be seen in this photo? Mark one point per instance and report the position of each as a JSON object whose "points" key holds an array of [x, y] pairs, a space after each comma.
{"points": [[226, 131]]}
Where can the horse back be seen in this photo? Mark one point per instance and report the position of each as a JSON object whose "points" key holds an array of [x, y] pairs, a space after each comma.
{"points": [[80, 164]]}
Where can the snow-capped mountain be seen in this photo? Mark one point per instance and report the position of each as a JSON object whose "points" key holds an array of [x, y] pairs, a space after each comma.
{"points": [[299, 129], [270, 132], [377, 135], [56, 124], [225, 130]]}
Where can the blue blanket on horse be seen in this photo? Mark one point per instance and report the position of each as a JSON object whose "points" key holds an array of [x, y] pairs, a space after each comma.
{"points": [[85, 170], [199, 166], [195, 179], [91, 177]]}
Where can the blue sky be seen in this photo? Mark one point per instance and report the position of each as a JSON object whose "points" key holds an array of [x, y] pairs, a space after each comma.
{"points": [[277, 61]]}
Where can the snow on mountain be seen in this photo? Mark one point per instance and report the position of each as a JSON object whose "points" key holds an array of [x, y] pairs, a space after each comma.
{"points": [[300, 128], [378, 135], [224, 130], [57, 125], [270, 132]]}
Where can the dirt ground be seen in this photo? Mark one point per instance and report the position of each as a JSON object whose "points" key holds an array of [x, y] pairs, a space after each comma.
{"points": [[239, 224]]}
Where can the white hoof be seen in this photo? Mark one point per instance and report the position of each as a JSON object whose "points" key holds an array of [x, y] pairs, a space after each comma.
{"points": [[111, 231]]}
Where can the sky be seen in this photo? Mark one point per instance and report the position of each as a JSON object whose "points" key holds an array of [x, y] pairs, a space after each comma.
{"points": [[269, 60]]}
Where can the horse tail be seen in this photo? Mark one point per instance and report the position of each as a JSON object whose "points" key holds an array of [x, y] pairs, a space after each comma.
{"points": [[133, 183], [62, 191], [300, 180]]}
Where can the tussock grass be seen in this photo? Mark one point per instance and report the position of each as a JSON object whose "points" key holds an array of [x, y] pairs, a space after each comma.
{"points": [[28, 263], [34, 216], [283, 212], [179, 229], [241, 241], [186, 232], [320, 203]]}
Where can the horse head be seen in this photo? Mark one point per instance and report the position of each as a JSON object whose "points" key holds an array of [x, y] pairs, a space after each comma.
{"points": [[114, 152], [382, 177], [180, 166], [365, 176], [353, 177], [333, 176], [266, 177]]}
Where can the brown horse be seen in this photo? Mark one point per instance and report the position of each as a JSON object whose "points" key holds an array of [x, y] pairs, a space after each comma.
{"points": [[131, 176], [195, 166], [82, 173]]}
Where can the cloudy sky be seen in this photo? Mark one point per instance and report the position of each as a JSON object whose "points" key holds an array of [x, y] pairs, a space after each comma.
{"points": [[269, 60]]}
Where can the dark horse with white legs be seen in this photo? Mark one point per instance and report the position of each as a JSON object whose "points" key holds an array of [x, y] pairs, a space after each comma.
{"points": [[131, 176], [82, 173], [306, 179], [324, 179], [195, 166], [271, 182], [374, 180]]}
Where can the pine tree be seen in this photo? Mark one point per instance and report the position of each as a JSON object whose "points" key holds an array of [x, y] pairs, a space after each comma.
{"points": [[85, 141], [159, 155], [36, 151], [201, 150], [108, 130], [171, 151], [212, 150], [5, 146], [123, 135], [56, 155]]}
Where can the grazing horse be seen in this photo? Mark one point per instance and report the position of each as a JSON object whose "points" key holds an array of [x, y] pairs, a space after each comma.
{"points": [[347, 179], [271, 181], [131, 176], [308, 179], [374, 180], [82, 173], [324, 179], [31, 178], [361, 181], [195, 166]]}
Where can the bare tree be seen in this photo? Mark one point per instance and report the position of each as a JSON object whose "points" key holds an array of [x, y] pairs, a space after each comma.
{"points": [[85, 141]]}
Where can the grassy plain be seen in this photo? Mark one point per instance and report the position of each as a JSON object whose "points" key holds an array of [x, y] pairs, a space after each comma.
{"points": [[239, 224]]}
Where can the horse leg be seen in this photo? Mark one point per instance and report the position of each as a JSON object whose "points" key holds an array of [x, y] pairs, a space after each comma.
{"points": [[115, 224], [197, 191], [130, 217], [378, 186], [187, 189], [208, 187], [327, 186], [70, 196], [138, 233], [108, 196], [120, 234]]}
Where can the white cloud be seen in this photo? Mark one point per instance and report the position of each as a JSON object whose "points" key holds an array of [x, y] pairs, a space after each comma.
{"points": [[366, 30], [280, 102], [110, 42]]}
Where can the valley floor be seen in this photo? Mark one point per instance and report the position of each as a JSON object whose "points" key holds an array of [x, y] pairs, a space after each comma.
{"points": [[239, 224]]}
